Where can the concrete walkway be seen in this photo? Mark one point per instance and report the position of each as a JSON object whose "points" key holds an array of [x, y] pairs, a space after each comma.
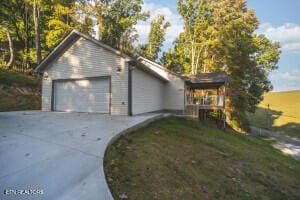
{"points": [[58, 154], [285, 144]]}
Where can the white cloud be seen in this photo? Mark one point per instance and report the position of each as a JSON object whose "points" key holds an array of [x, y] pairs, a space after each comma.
{"points": [[286, 80], [173, 31], [288, 35]]}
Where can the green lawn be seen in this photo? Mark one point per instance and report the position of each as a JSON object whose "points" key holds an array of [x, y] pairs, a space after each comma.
{"points": [[283, 116], [18, 91], [176, 158]]}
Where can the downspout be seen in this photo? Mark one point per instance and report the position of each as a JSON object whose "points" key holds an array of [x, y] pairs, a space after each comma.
{"points": [[130, 90]]}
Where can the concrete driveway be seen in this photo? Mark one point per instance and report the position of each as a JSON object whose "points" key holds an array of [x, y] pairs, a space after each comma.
{"points": [[48, 155]]}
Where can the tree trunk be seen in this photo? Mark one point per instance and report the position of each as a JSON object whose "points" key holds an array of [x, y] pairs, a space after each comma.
{"points": [[26, 27], [10, 45], [36, 19], [193, 58]]}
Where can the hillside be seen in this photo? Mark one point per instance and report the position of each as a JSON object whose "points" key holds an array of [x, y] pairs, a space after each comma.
{"points": [[177, 158], [18, 91], [283, 116]]}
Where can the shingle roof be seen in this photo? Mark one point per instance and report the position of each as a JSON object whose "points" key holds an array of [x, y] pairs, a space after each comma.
{"points": [[216, 77]]}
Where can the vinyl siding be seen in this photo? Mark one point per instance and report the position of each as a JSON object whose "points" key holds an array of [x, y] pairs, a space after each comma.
{"points": [[174, 89], [174, 94], [147, 93], [86, 59]]}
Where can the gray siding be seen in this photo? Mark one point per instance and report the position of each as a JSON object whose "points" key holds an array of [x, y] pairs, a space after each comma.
{"points": [[86, 59], [174, 93], [147, 93], [174, 89]]}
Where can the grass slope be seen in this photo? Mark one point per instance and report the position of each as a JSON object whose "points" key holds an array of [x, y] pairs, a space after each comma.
{"points": [[18, 91], [9, 77], [176, 158], [284, 114]]}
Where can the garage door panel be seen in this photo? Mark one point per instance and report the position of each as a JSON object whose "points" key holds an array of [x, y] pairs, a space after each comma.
{"points": [[82, 95]]}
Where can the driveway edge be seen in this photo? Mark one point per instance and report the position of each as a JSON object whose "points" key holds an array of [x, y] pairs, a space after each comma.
{"points": [[108, 195]]}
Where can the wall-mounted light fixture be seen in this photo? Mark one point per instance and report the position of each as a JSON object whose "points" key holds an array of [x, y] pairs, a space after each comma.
{"points": [[45, 76], [119, 70]]}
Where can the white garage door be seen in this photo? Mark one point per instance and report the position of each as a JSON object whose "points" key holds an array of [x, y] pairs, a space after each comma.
{"points": [[82, 95]]}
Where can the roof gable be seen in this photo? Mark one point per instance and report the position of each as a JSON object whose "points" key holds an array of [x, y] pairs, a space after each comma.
{"points": [[67, 42]]}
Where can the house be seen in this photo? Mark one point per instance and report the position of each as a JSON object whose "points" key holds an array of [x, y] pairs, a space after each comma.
{"points": [[84, 75]]}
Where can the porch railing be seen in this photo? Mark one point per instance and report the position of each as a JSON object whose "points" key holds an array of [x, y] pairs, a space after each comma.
{"points": [[209, 100]]}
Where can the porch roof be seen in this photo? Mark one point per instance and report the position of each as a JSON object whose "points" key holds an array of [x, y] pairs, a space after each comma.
{"points": [[207, 80]]}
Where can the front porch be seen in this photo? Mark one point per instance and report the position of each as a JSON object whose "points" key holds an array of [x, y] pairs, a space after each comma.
{"points": [[205, 96]]}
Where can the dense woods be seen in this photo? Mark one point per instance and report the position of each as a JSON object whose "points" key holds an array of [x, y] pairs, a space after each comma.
{"points": [[37, 26], [218, 35]]}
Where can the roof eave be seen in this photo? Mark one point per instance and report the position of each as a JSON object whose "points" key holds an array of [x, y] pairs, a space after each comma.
{"points": [[161, 67], [146, 69], [56, 51]]}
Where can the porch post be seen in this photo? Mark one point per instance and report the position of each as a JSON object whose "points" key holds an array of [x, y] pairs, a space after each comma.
{"points": [[218, 96]]}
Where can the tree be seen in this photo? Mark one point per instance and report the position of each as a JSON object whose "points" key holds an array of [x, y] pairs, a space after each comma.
{"points": [[128, 38], [86, 26], [116, 19], [36, 19], [196, 34], [37, 26], [61, 22], [156, 37], [176, 59], [220, 35], [15, 15], [10, 45]]}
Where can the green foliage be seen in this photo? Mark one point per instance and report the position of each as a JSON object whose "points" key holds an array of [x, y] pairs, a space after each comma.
{"points": [[4, 52], [116, 19], [56, 19], [62, 21], [220, 36], [58, 31], [197, 34], [156, 37], [176, 59], [86, 26]]}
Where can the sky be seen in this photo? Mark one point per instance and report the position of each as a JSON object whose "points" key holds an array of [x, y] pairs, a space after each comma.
{"points": [[279, 21]]}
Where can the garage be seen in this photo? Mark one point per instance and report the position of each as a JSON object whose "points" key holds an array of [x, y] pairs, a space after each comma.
{"points": [[82, 95], [84, 75]]}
